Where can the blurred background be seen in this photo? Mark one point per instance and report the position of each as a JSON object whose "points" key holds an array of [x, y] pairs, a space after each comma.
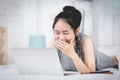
{"points": [[23, 18]]}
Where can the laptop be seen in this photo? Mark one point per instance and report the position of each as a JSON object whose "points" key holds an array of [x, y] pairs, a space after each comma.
{"points": [[38, 61]]}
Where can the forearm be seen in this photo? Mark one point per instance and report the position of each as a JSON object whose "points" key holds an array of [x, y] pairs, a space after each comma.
{"points": [[81, 67]]}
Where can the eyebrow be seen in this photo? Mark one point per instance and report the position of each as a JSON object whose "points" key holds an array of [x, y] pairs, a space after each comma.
{"points": [[63, 31], [56, 30]]}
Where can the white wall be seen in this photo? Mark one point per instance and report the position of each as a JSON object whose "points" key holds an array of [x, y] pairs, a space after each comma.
{"points": [[106, 25]]}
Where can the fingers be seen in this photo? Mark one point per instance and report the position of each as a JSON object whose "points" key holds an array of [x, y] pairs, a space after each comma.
{"points": [[62, 42], [59, 45], [72, 41]]}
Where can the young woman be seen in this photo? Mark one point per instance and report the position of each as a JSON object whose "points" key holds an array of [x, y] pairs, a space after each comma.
{"points": [[75, 49]]}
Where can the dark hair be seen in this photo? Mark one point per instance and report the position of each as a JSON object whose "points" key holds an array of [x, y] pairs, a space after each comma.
{"points": [[71, 15]]}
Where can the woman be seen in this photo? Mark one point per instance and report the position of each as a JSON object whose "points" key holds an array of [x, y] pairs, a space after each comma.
{"points": [[76, 50]]}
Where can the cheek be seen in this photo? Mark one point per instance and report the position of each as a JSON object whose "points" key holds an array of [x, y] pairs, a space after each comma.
{"points": [[69, 38], [55, 37]]}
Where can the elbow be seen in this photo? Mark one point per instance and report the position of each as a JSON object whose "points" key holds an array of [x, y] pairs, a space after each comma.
{"points": [[87, 71], [92, 70], [84, 72]]}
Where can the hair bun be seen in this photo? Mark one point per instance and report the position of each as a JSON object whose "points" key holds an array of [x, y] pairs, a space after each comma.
{"points": [[69, 9]]}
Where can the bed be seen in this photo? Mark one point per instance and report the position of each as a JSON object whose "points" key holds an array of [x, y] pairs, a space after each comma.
{"points": [[9, 72]]}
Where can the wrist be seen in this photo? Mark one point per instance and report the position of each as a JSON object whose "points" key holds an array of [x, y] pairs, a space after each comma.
{"points": [[74, 56]]}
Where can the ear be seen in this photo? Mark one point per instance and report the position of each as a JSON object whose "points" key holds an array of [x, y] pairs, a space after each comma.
{"points": [[77, 31]]}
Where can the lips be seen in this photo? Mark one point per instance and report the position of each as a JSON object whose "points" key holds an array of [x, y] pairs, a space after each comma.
{"points": [[67, 42]]}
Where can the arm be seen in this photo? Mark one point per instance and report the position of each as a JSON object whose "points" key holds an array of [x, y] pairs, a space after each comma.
{"points": [[88, 50]]}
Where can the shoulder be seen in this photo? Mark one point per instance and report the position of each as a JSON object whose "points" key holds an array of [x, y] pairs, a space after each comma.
{"points": [[82, 38], [85, 40], [87, 46]]}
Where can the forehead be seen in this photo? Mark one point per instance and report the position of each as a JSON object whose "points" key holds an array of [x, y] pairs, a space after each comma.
{"points": [[61, 24]]}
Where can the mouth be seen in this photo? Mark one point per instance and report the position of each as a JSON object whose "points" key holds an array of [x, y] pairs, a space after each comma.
{"points": [[67, 41]]}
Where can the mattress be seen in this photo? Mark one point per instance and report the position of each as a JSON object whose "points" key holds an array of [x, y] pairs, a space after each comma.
{"points": [[10, 72]]}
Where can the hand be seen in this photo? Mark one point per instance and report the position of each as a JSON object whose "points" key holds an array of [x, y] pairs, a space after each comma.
{"points": [[66, 48]]}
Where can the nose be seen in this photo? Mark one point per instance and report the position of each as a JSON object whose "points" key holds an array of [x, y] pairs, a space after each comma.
{"points": [[61, 37]]}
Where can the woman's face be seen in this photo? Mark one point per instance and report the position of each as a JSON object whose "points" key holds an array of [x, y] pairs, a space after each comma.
{"points": [[63, 31]]}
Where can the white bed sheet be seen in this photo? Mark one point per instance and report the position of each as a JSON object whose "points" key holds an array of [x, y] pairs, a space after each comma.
{"points": [[10, 72]]}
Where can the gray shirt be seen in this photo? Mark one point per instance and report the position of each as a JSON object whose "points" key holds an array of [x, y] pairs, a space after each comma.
{"points": [[102, 61]]}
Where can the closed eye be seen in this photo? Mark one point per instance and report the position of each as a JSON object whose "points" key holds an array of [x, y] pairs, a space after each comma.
{"points": [[66, 33], [56, 32]]}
